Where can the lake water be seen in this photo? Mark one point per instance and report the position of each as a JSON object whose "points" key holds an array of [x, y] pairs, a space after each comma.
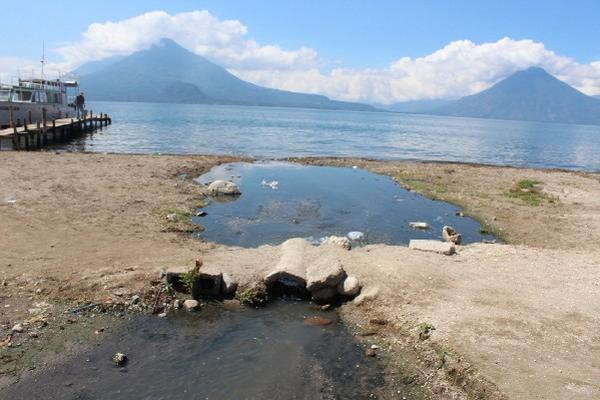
{"points": [[266, 353], [281, 200], [265, 132]]}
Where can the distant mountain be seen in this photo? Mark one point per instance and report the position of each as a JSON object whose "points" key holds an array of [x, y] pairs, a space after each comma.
{"points": [[529, 95], [169, 73], [415, 106]]}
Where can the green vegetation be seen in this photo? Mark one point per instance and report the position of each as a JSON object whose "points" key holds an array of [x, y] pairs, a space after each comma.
{"points": [[187, 279], [527, 191]]}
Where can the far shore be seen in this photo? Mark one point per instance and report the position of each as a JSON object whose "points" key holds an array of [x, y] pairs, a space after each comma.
{"points": [[516, 320]]}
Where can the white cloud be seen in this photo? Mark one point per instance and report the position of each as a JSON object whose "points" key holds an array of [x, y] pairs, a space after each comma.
{"points": [[459, 68], [199, 31]]}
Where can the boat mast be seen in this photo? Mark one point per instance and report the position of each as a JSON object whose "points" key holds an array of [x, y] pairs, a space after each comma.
{"points": [[43, 60]]}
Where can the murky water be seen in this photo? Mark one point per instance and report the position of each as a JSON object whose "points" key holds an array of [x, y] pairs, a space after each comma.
{"points": [[269, 353], [283, 200]]}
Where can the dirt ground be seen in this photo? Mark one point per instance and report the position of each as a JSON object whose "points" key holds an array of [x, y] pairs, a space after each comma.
{"points": [[515, 320]]}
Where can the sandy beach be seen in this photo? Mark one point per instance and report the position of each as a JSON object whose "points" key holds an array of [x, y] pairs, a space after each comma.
{"points": [[516, 320]]}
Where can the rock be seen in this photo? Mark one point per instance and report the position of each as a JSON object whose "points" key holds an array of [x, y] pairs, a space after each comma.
{"points": [[378, 321], [171, 217], [119, 359], [324, 295], [338, 241], [325, 272], [290, 267], [18, 328], [177, 304], [434, 246], [355, 235], [229, 284], [33, 334], [449, 234], [349, 286], [254, 293], [371, 352], [207, 283], [191, 305], [135, 299], [419, 225], [162, 315], [223, 188], [233, 305], [317, 321], [368, 294]]}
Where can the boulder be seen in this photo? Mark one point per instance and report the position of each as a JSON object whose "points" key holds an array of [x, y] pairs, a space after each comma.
{"points": [[223, 188], [229, 284], [338, 241], [419, 225], [290, 267], [207, 283], [449, 234], [325, 272], [434, 246], [324, 295], [349, 286], [191, 305]]}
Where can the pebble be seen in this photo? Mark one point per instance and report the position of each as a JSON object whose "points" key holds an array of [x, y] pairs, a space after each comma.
{"points": [[18, 328], [135, 299], [191, 305], [176, 304], [371, 353], [119, 359], [162, 315]]}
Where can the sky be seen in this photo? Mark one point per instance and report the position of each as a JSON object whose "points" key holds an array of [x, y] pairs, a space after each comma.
{"points": [[372, 51]]}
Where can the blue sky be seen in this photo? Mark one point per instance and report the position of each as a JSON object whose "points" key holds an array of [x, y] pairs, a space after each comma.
{"points": [[356, 35]]}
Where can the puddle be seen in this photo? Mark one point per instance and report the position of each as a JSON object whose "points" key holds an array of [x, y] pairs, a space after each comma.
{"points": [[282, 200], [266, 353]]}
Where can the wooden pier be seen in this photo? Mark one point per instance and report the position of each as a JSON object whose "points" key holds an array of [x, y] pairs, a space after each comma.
{"points": [[33, 136]]}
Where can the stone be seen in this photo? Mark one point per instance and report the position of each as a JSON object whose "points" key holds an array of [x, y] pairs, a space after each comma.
{"points": [[207, 283], [290, 267], [317, 321], [162, 315], [325, 272], [433, 246], [229, 285], [419, 225], [191, 305], [135, 299], [324, 295], [177, 304], [366, 295], [338, 241], [355, 235], [371, 352], [171, 217], [18, 328], [449, 234], [233, 305], [119, 359], [349, 286], [223, 188]]}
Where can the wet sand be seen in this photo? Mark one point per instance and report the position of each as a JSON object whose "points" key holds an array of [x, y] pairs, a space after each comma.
{"points": [[516, 320]]}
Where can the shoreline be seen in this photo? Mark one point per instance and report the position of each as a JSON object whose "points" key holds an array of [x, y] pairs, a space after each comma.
{"points": [[93, 225]]}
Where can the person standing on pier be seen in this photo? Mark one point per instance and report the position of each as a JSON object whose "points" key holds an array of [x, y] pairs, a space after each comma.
{"points": [[80, 105]]}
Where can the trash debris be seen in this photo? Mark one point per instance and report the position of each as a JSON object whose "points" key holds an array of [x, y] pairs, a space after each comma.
{"points": [[272, 184], [419, 225]]}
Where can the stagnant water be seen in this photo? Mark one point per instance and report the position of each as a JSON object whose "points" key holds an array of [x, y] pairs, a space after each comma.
{"points": [[284, 200], [267, 353]]}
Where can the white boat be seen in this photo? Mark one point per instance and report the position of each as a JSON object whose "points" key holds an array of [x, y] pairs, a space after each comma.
{"points": [[27, 101]]}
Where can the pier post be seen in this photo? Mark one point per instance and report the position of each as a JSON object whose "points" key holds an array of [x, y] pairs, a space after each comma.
{"points": [[30, 119], [15, 138], [11, 121], [44, 127], [53, 131], [37, 135]]}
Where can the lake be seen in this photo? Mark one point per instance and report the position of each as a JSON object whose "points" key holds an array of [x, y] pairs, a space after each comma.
{"points": [[268, 132]]}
